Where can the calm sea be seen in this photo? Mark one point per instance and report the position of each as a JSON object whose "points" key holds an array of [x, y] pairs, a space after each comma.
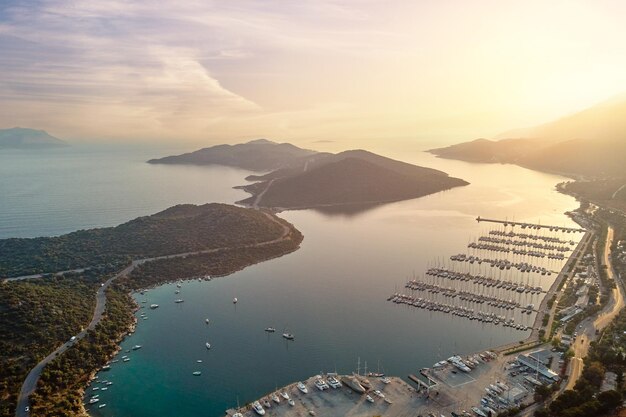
{"points": [[331, 294]]}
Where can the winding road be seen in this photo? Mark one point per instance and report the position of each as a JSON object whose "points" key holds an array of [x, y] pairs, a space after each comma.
{"points": [[30, 383]]}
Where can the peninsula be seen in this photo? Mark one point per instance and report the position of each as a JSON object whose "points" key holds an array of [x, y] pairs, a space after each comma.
{"points": [[301, 178], [77, 318]]}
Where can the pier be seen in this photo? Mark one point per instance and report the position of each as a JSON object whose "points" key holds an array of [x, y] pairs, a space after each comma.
{"points": [[532, 226]]}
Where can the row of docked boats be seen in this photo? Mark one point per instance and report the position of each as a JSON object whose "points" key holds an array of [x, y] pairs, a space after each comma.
{"points": [[483, 280], [456, 310], [512, 234], [462, 295], [502, 264], [493, 247], [526, 244]]}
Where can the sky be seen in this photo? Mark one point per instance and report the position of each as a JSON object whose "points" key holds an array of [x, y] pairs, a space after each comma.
{"points": [[353, 73]]}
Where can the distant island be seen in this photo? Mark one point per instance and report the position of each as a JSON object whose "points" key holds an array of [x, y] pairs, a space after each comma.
{"points": [[21, 138], [257, 155], [302, 178], [590, 143]]}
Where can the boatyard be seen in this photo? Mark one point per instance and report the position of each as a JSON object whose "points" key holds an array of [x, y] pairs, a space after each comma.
{"points": [[473, 385]]}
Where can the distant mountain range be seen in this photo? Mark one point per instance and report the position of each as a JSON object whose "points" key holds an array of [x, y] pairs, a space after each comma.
{"points": [[590, 143], [301, 178], [21, 138]]}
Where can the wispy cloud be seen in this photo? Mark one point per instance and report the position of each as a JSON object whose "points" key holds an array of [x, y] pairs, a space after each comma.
{"points": [[312, 69]]}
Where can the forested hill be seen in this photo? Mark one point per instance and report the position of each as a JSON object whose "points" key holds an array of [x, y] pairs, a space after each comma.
{"points": [[179, 229]]}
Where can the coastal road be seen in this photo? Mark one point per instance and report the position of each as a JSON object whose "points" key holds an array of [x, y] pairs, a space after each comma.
{"points": [[30, 383], [78, 271], [588, 327], [258, 198]]}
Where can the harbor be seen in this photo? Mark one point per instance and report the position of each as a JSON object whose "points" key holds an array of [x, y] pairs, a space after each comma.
{"points": [[473, 385]]}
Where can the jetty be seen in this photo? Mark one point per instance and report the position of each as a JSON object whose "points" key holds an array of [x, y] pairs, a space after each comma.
{"points": [[532, 226]]}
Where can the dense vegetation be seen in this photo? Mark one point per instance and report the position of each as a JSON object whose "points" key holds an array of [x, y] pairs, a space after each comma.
{"points": [[36, 316], [217, 263], [60, 388], [179, 229]]}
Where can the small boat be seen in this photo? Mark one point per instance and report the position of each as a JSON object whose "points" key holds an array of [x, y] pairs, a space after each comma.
{"points": [[208, 345], [302, 388], [291, 402], [106, 367], [94, 400], [368, 398], [385, 380], [199, 361], [178, 285], [206, 321], [180, 300], [125, 359], [136, 347], [288, 336], [109, 383], [379, 394], [102, 405], [270, 329], [479, 412], [153, 306], [320, 385], [235, 300], [258, 408], [388, 401], [197, 373], [275, 399], [96, 388], [334, 382], [177, 292], [103, 389], [284, 395], [267, 404]]}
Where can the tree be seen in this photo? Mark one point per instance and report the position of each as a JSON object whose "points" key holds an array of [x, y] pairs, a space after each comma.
{"points": [[609, 400]]}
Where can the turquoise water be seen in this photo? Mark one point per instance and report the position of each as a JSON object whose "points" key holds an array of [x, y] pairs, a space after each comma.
{"points": [[331, 294]]}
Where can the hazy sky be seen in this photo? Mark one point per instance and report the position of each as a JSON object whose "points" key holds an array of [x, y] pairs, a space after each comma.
{"points": [[352, 71]]}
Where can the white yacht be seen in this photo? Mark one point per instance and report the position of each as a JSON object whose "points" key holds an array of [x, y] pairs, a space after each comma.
{"points": [[291, 402], [334, 382], [197, 373], [206, 321], [275, 398], [153, 306], [208, 345], [94, 400], [368, 398], [284, 395], [270, 329], [137, 347], [180, 300], [302, 388], [258, 408], [320, 385], [288, 336], [235, 300], [102, 405]]}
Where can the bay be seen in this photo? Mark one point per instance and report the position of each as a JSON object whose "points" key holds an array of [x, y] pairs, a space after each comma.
{"points": [[331, 293]]}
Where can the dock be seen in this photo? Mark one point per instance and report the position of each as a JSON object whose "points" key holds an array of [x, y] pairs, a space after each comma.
{"points": [[532, 225]]}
